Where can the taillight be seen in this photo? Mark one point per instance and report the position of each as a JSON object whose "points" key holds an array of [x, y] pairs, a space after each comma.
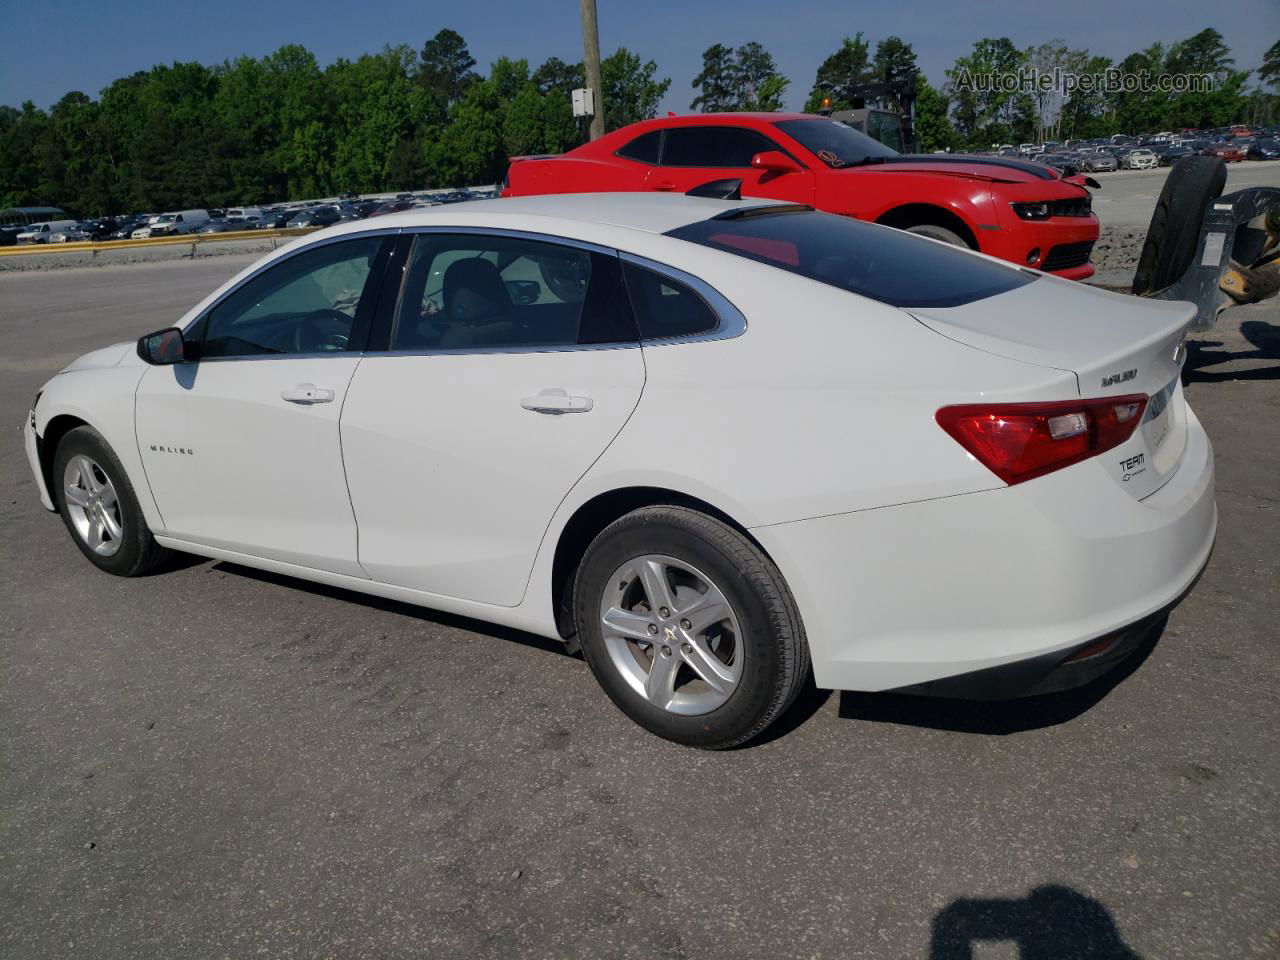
{"points": [[1020, 441]]}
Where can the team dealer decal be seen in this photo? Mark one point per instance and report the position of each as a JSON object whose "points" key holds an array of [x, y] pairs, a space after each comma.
{"points": [[1132, 466], [162, 448]]}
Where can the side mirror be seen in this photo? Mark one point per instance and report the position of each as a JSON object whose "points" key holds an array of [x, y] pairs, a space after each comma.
{"points": [[164, 347], [775, 162]]}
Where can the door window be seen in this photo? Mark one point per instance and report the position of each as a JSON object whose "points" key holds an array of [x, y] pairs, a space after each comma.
{"points": [[314, 302], [713, 146], [471, 292]]}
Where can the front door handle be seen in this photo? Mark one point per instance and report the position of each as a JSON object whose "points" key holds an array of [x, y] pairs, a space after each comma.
{"points": [[556, 400], [307, 394], [665, 185]]}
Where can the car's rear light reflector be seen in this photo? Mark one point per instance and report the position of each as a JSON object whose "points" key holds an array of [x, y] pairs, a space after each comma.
{"points": [[1020, 441]]}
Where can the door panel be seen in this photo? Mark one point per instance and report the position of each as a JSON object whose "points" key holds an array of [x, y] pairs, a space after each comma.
{"points": [[515, 362], [233, 464], [455, 466], [242, 448]]}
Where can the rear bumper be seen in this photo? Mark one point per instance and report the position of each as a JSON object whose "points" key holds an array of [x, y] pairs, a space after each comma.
{"points": [[996, 589]]}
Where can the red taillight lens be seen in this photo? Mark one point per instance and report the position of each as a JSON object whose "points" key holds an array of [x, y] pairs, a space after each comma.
{"points": [[1019, 441]]}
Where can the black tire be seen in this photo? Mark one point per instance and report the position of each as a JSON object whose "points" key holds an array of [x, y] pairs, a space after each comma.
{"points": [[1175, 224], [776, 664], [939, 233], [138, 552]]}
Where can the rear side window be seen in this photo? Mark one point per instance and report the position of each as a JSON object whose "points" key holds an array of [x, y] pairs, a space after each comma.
{"points": [[891, 266], [643, 148], [713, 147], [469, 292], [665, 308]]}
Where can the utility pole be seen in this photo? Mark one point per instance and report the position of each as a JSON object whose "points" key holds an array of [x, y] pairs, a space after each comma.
{"points": [[591, 64]]}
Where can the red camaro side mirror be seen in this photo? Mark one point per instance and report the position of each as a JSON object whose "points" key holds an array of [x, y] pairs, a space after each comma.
{"points": [[774, 161]]}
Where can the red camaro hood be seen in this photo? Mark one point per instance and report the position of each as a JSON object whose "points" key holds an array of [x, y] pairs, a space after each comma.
{"points": [[991, 169]]}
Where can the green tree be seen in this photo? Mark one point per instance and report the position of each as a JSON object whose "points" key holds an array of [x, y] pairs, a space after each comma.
{"points": [[758, 86], [933, 128], [840, 74], [1269, 73], [717, 82], [631, 90], [445, 71], [984, 110]]}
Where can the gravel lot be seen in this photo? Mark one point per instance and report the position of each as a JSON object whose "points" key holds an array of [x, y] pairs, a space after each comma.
{"points": [[214, 762]]}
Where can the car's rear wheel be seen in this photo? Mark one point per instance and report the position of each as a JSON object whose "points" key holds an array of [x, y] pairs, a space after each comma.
{"points": [[99, 507], [939, 233], [689, 627]]}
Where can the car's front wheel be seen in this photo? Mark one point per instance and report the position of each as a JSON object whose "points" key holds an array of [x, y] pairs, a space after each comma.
{"points": [[99, 507], [689, 627]]}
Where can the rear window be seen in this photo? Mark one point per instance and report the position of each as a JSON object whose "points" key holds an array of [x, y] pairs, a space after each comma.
{"points": [[891, 266]]}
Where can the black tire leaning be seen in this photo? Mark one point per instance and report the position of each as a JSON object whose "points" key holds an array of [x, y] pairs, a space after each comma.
{"points": [[139, 553], [1175, 223], [777, 663]]}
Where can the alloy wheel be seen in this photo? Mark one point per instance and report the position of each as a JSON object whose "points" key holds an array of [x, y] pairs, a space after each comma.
{"points": [[92, 505], [672, 634]]}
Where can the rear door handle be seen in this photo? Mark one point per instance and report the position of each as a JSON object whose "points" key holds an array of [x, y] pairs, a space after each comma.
{"points": [[307, 394], [665, 185], [556, 400]]}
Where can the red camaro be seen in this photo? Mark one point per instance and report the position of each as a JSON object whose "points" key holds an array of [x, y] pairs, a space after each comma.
{"points": [[1020, 211]]}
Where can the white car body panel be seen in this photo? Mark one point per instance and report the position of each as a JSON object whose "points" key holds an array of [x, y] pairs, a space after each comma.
{"points": [[232, 465], [814, 430], [466, 462]]}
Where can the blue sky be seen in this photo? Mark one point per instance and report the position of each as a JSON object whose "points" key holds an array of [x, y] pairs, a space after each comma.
{"points": [[52, 46]]}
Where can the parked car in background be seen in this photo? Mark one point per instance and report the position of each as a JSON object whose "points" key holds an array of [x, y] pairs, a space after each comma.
{"points": [[125, 227], [75, 234], [41, 232], [1228, 152], [1139, 158], [322, 216], [1017, 210], [1263, 149], [395, 206], [1168, 156], [1101, 162], [172, 224]]}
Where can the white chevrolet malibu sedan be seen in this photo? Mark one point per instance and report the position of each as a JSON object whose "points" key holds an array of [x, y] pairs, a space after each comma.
{"points": [[719, 445]]}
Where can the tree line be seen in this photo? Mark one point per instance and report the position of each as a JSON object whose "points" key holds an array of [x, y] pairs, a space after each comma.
{"points": [[282, 127]]}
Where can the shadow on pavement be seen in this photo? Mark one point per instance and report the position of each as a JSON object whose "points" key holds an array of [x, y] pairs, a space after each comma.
{"points": [[395, 606], [993, 717], [1052, 923], [1263, 336]]}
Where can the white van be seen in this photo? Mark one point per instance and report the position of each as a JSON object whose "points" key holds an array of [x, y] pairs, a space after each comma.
{"points": [[244, 213], [41, 232], [168, 224]]}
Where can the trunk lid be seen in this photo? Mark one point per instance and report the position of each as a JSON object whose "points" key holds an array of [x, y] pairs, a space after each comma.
{"points": [[1114, 345]]}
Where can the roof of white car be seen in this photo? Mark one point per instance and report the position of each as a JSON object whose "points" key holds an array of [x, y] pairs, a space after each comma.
{"points": [[650, 212]]}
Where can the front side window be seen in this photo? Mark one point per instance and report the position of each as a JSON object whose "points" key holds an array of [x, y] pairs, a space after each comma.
{"points": [[469, 292], [704, 146], [309, 303]]}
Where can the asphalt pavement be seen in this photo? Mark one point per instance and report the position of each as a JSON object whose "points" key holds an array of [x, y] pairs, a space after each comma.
{"points": [[214, 762]]}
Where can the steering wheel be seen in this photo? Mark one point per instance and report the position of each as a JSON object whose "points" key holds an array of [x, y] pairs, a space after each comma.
{"points": [[322, 331]]}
